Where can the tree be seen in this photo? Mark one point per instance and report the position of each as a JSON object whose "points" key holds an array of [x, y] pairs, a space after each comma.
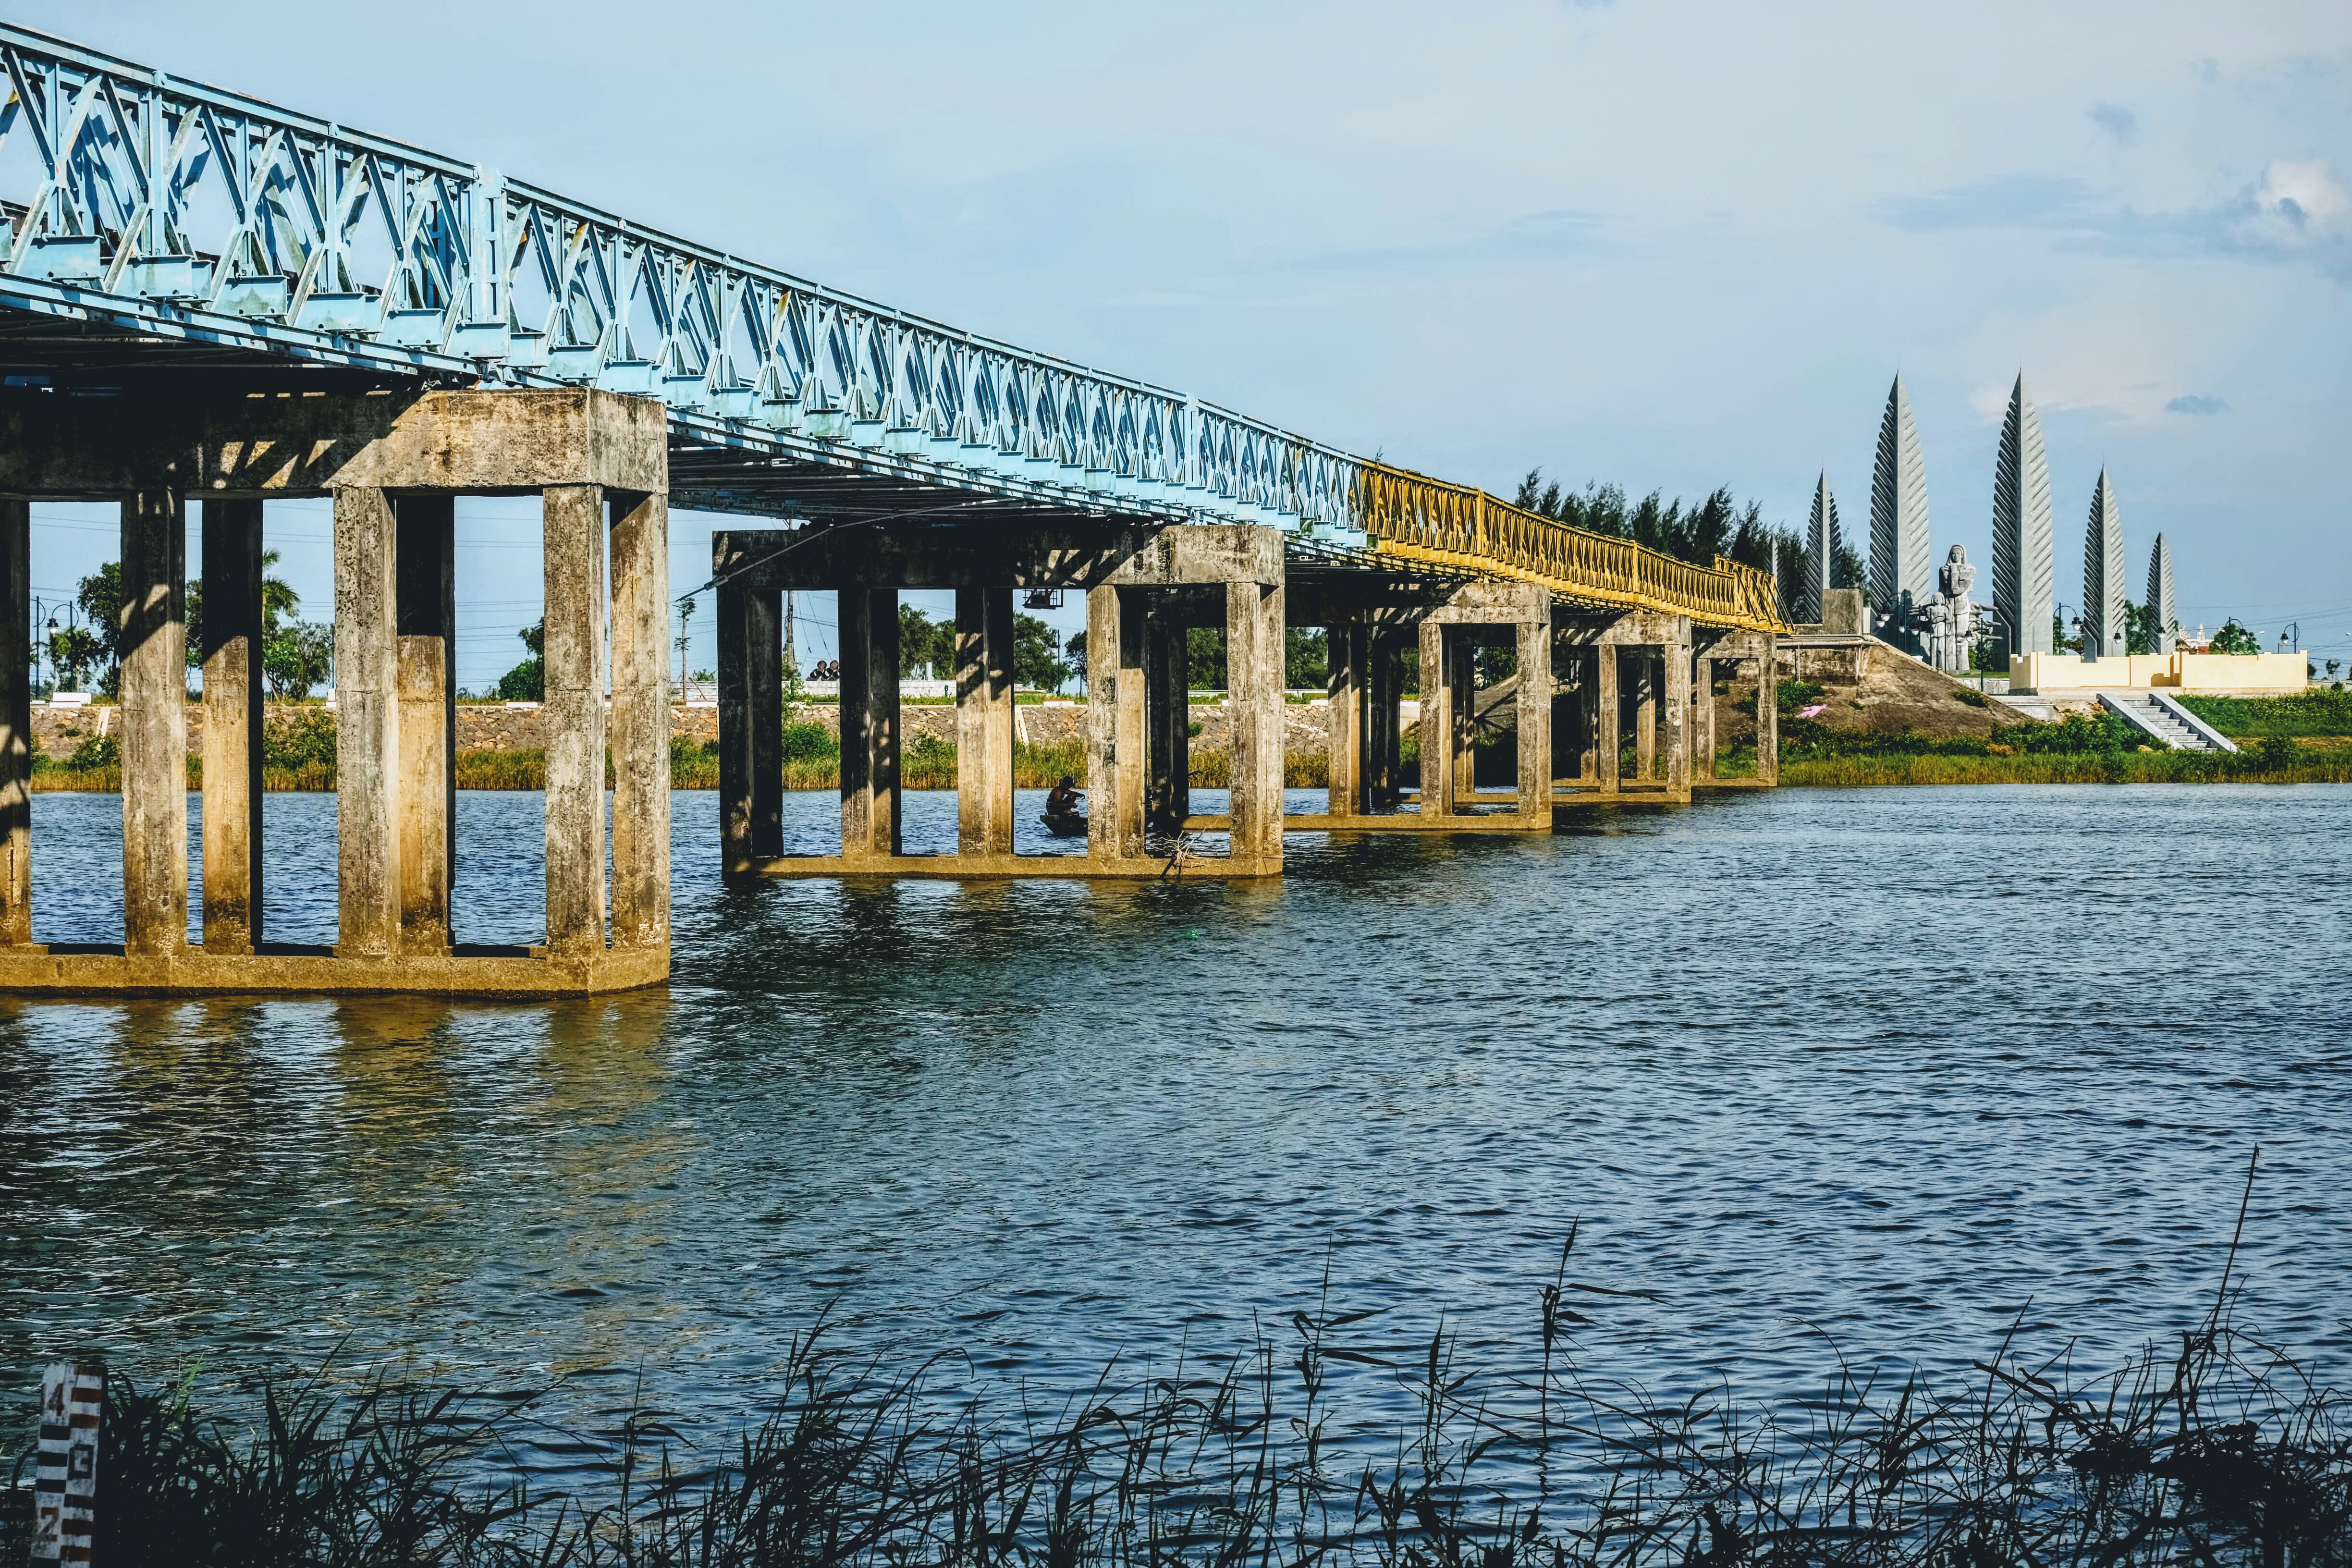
{"points": [[1036, 663], [2235, 638], [1074, 653], [526, 682], [924, 643], [1204, 658], [297, 656], [1306, 659], [72, 651], [101, 597]]}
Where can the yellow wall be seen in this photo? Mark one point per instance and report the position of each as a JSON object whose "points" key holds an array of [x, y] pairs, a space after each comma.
{"points": [[2173, 672]]}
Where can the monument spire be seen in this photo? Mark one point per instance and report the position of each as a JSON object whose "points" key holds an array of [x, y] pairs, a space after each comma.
{"points": [[1822, 541], [2159, 593], [2103, 632], [1899, 510], [2024, 584]]}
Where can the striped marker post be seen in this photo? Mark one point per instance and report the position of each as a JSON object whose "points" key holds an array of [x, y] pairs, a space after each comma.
{"points": [[65, 1485]]}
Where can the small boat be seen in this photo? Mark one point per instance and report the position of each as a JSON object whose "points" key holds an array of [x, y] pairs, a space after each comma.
{"points": [[1072, 826]]}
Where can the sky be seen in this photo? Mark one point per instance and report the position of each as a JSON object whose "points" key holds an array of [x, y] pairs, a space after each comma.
{"points": [[1669, 246]]}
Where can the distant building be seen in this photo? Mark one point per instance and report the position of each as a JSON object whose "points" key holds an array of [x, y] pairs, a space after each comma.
{"points": [[2025, 583]]}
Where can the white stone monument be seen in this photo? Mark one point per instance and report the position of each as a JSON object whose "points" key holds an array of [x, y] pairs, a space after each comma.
{"points": [[2103, 632], [2025, 583]]}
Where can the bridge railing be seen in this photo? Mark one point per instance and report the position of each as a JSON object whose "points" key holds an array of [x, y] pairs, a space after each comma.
{"points": [[1422, 518]]}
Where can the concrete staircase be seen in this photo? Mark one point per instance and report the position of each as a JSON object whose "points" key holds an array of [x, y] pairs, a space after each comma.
{"points": [[2166, 720]]}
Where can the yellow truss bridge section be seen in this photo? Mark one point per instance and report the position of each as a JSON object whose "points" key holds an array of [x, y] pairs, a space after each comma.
{"points": [[1418, 518]]}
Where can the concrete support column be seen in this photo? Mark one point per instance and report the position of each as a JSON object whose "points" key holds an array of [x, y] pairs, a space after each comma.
{"points": [[1645, 715], [1168, 664], [233, 692], [1437, 720], [1254, 692], [984, 797], [640, 722], [1383, 719], [154, 642], [1702, 717], [1767, 710], [1606, 708], [1535, 719], [367, 724], [1114, 714], [424, 679], [16, 723], [1347, 648], [1673, 672], [750, 730], [572, 712], [868, 627]]}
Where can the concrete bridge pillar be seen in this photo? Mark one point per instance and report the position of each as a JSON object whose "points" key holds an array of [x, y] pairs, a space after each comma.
{"points": [[640, 724], [155, 723], [751, 729], [366, 724], [1439, 750], [1703, 718], [1383, 719], [1534, 701], [868, 628], [16, 723], [984, 738], [1673, 681], [1168, 658], [1768, 712], [1346, 644], [426, 680], [573, 712], [233, 692], [1116, 678], [1605, 711], [1254, 646]]}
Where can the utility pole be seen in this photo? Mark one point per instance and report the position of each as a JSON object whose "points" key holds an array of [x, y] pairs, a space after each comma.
{"points": [[792, 655], [685, 641]]}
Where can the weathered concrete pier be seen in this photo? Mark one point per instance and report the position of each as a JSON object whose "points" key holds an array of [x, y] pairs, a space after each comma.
{"points": [[394, 463], [208, 302]]}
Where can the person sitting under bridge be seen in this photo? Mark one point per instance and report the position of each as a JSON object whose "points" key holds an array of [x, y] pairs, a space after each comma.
{"points": [[1063, 818]]}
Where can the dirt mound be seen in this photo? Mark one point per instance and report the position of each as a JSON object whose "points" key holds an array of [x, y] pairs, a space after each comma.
{"points": [[1875, 691]]}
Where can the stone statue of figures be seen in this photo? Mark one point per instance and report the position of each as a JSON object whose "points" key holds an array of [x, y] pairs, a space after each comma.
{"points": [[1957, 576], [1951, 619]]}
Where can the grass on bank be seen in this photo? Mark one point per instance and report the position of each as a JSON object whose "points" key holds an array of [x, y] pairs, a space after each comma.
{"points": [[2307, 713], [2218, 1451]]}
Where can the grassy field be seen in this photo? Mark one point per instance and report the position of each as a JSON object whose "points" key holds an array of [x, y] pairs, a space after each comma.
{"points": [[2312, 714]]}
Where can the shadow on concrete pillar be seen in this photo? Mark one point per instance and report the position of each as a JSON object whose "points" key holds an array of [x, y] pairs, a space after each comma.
{"points": [[640, 722], [750, 730], [231, 659], [1461, 706], [1383, 720], [1702, 717], [424, 570], [984, 780], [1645, 715], [572, 714], [868, 630], [16, 723]]}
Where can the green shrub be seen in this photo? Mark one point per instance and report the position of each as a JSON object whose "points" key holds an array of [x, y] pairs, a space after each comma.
{"points": [[810, 743], [96, 752], [303, 737]]}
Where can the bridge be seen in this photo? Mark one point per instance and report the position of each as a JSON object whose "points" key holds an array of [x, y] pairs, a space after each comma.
{"points": [[204, 296]]}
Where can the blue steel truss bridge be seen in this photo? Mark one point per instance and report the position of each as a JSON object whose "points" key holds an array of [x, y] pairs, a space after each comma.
{"points": [[205, 296]]}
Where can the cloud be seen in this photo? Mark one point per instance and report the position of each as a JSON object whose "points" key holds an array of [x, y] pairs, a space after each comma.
{"points": [[2298, 211], [2012, 201], [1542, 236], [2117, 121], [2196, 403]]}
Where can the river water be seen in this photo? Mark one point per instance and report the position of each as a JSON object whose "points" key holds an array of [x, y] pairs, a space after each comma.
{"points": [[1895, 1068]]}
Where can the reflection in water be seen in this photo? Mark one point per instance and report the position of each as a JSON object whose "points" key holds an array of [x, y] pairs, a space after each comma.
{"points": [[1886, 1065]]}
